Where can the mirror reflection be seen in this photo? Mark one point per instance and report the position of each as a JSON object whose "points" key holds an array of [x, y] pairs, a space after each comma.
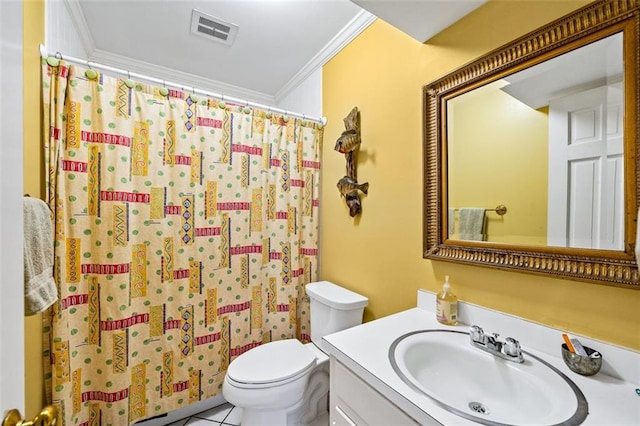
{"points": [[562, 122]]}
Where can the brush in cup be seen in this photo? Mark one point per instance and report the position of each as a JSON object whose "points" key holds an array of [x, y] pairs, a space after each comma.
{"points": [[586, 365]]}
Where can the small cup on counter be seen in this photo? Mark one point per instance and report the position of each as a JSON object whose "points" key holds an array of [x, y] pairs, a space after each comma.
{"points": [[585, 365]]}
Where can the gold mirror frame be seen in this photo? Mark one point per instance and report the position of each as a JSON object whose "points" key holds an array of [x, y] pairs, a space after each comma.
{"points": [[588, 24]]}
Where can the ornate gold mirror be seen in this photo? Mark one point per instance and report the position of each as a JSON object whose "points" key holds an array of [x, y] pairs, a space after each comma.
{"points": [[531, 151]]}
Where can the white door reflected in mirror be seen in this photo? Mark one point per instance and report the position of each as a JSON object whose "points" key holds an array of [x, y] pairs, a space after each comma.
{"points": [[586, 170]]}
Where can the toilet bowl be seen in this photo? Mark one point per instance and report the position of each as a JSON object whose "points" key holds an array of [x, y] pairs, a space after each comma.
{"points": [[286, 382]]}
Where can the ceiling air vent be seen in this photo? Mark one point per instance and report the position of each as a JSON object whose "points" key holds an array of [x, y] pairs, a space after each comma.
{"points": [[213, 28]]}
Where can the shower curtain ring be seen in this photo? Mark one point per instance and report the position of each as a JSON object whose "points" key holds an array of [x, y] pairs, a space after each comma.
{"points": [[54, 60], [128, 82], [91, 74], [221, 104], [193, 96], [163, 90]]}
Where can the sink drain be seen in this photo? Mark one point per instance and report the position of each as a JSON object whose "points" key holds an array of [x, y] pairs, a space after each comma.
{"points": [[478, 407]]}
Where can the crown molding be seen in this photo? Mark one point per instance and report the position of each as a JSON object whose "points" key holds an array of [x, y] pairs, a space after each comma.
{"points": [[358, 24], [182, 78], [81, 26]]}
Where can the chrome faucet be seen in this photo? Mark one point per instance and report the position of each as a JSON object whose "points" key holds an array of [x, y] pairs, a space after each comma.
{"points": [[509, 349]]}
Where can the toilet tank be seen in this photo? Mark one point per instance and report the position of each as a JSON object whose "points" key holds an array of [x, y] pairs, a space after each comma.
{"points": [[333, 308]]}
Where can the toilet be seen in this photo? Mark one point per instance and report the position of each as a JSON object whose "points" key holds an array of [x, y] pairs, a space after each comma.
{"points": [[286, 382]]}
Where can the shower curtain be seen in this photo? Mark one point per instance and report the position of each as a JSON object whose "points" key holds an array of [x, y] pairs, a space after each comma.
{"points": [[185, 231]]}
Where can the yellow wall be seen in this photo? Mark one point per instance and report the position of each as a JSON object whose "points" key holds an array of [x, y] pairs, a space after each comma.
{"points": [[486, 130], [379, 254], [33, 36]]}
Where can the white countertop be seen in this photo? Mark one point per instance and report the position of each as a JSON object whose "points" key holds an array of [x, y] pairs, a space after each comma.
{"points": [[365, 350]]}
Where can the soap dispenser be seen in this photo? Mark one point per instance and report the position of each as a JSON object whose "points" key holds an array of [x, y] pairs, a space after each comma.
{"points": [[447, 305]]}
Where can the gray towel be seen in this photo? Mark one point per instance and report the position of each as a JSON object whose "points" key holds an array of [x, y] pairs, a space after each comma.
{"points": [[40, 290], [451, 217], [471, 224]]}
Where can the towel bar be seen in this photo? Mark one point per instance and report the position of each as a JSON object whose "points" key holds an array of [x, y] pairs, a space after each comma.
{"points": [[500, 209]]}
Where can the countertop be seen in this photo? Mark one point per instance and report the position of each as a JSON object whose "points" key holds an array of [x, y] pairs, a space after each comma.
{"points": [[365, 350]]}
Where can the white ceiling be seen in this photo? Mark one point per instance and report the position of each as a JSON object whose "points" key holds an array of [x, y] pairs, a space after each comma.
{"points": [[275, 38], [590, 66], [421, 19], [279, 42]]}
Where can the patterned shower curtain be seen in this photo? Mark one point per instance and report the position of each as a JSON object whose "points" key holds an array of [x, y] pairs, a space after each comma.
{"points": [[185, 231]]}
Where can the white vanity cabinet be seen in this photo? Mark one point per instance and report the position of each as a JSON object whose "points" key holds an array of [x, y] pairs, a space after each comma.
{"points": [[354, 402], [366, 390]]}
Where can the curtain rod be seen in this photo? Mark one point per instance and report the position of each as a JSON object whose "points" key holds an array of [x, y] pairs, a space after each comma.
{"points": [[91, 64]]}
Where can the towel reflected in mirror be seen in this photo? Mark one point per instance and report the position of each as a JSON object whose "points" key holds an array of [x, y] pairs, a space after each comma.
{"points": [[471, 224]]}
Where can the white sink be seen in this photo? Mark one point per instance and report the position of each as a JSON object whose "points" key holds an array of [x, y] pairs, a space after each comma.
{"points": [[479, 386]]}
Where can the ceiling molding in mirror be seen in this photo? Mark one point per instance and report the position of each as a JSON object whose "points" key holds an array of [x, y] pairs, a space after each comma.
{"points": [[604, 264]]}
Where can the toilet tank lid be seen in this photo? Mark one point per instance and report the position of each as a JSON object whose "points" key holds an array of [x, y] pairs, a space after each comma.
{"points": [[335, 296]]}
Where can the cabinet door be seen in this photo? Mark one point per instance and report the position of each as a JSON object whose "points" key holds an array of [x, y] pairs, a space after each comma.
{"points": [[340, 418], [354, 402]]}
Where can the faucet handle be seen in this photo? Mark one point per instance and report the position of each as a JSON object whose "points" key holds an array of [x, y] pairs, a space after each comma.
{"points": [[477, 334], [477, 328], [493, 342], [512, 347]]}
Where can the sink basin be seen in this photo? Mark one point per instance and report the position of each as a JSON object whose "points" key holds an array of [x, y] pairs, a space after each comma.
{"points": [[481, 387]]}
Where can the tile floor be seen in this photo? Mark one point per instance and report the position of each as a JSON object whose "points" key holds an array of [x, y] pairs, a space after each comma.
{"points": [[225, 415], [228, 415]]}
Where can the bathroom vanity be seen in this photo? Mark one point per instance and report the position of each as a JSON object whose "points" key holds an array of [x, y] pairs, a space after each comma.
{"points": [[366, 388]]}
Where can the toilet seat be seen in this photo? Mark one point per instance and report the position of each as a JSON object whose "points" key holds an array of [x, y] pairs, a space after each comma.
{"points": [[271, 364]]}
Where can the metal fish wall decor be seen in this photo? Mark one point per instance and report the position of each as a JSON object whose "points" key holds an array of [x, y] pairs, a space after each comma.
{"points": [[348, 144]]}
